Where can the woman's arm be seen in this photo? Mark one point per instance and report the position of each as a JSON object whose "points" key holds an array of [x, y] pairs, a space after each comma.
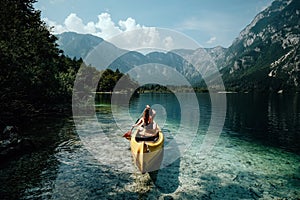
{"points": [[153, 113], [138, 123]]}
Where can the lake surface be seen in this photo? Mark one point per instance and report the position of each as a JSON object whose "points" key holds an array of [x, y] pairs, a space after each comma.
{"points": [[256, 155]]}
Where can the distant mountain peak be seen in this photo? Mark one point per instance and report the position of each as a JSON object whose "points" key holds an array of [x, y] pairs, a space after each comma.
{"points": [[77, 45], [252, 29], [265, 55]]}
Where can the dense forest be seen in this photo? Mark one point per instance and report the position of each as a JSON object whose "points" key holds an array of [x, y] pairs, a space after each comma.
{"points": [[89, 79], [34, 72], [35, 75]]}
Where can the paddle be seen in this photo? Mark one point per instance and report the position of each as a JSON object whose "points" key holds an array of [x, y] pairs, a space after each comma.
{"points": [[127, 135]]}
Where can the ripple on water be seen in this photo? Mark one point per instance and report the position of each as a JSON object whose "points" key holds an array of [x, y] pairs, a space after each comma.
{"points": [[238, 167]]}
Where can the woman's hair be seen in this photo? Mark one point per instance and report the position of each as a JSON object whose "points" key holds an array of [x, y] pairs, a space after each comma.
{"points": [[146, 116]]}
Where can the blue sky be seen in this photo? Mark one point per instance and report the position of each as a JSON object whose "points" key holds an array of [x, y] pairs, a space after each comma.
{"points": [[209, 22]]}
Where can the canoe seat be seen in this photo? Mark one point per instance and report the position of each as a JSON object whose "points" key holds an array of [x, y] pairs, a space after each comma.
{"points": [[140, 137]]}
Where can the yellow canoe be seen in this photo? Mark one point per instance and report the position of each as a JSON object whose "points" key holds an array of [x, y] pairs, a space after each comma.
{"points": [[147, 155]]}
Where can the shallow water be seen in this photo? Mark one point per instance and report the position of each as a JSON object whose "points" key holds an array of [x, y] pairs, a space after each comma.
{"points": [[256, 156]]}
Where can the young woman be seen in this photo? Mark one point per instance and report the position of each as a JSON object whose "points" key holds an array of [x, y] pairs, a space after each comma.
{"points": [[148, 128]]}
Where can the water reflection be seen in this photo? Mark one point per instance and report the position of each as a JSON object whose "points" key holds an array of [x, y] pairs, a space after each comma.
{"points": [[269, 119], [284, 121], [166, 179], [248, 161], [32, 174]]}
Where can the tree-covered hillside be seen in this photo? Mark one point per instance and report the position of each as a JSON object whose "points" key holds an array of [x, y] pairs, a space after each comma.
{"points": [[34, 73]]}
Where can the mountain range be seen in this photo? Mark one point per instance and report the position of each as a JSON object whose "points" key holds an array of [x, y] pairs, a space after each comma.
{"points": [[264, 56]]}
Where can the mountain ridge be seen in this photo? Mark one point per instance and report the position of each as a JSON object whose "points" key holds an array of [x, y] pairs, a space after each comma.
{"points": [[264, 56], [77, 45]]}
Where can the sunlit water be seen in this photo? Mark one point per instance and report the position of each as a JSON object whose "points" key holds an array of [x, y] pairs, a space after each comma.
{"points": [[256, 156]]}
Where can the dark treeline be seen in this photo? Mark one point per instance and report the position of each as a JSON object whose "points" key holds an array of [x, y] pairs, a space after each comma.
{"points": [[34, 73], [89, 79], [109, 80], [170, 89]]}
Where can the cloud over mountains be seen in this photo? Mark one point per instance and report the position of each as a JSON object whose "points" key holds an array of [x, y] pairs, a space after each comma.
{"points": [[126, 34], [105, 27]]}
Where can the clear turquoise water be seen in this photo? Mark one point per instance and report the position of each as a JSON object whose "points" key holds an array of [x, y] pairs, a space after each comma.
{"points": [[256, 156]]}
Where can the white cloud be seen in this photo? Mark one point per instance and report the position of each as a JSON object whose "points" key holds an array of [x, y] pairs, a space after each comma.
{"points": [[147, 39], [56, 28], [211, 40], [90, 27], [74, 23], [144, 37], [129, 24], [106, 28], [169, 42]]}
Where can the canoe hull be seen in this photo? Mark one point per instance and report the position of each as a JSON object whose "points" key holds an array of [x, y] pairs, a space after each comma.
{"points": [[147, 155]]}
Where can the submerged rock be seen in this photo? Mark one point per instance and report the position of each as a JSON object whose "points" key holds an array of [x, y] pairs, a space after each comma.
{"points": [[9, 133], [12, 144], [255, 192]]}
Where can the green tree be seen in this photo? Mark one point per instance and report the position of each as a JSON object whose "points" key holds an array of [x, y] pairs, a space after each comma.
{"points": [[109, 79], [33, 71]]}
